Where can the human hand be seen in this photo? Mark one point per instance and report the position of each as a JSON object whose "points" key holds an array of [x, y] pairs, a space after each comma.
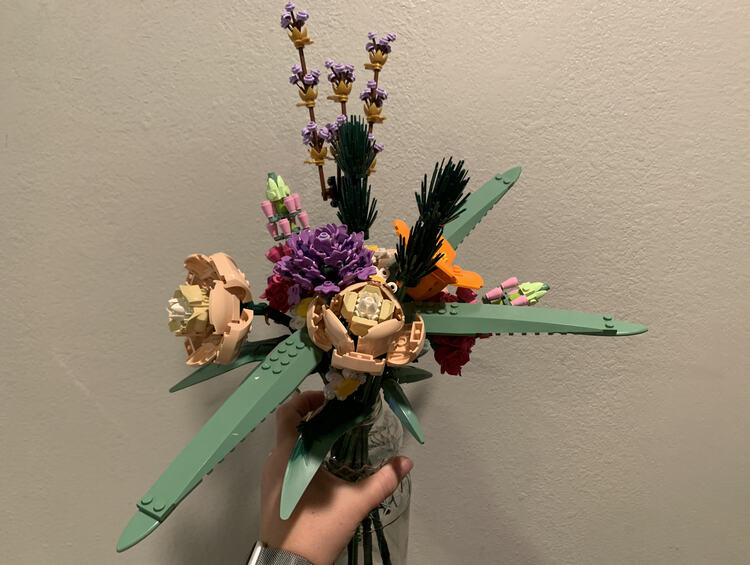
{"points": [[331, 508]]}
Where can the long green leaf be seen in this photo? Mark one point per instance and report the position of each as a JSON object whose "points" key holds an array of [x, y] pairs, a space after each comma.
{"points": [[396, 399], [410, 374], [308, 455], [249, 353]]}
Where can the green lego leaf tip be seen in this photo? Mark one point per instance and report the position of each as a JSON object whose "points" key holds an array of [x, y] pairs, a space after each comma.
{"points": [[138, 528], [399, 403], [479, 203]]}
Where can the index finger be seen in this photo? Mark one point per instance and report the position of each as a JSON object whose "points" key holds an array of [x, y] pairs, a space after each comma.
{"points": [[291, 413]]}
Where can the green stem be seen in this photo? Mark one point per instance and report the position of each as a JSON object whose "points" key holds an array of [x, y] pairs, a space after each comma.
{"points": [[367, 540], [385, 554]]}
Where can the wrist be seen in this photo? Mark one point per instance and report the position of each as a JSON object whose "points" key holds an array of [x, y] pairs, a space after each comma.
{"points": [[264, 555]]}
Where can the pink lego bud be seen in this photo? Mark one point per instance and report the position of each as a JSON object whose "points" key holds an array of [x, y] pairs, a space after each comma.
{"points": [[520, 301], [303, 220], [267, 208], [272, 229], [494, 294], [512, 282], [285, 228], [290, 205], [297, 203]]}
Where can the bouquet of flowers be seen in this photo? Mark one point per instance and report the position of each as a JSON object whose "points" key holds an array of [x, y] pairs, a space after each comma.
{"points": [[358, 314]]}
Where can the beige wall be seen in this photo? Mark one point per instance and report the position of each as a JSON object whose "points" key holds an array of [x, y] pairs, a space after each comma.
{"points": [[134, 133]]}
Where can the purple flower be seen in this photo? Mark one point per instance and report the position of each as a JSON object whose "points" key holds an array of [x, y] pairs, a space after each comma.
{"points": [[296, 69], [329, 63], [380, 93], [378, 147], [391, 37], [340, 119], [286, 20], [308, 79], [289, 6], [326, 259], [369, 46], [315, 73], [371, 84], [364, 95], [383, 42], [302, 16], [331, 77], [327, 288], [372, 35]]}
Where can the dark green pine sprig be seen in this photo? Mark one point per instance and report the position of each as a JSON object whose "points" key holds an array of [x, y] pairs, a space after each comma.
{"points": [[443, 200], [417, 258], [354, 152], [356, 208], [439, 202]]}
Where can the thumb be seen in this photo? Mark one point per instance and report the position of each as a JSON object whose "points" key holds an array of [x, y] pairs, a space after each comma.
{"points": [[381, 485]]}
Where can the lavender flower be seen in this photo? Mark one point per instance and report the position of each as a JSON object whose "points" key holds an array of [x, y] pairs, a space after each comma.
{"points": [[371, 84], [286, 20], [326, 260], [391, 36], [340, 120], [372, 35], [378, 147], [339, 72], [308, 133], [289, 6], [302, 17]]}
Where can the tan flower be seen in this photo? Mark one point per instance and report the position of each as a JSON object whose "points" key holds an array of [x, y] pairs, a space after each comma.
{"points": [[207, 310]]}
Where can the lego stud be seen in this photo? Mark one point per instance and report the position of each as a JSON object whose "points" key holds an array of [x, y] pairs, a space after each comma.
{"points": [[291, 206], [303, 220], [272, 229], [267, 208], [285, 228]]}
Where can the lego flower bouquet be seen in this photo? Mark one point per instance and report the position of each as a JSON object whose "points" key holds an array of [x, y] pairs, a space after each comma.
{"points": [[361, 315]]}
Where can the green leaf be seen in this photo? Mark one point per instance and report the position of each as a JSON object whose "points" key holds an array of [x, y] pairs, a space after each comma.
{"points": [[410, 374], [250, 352], [311, 448], [396, 399]]}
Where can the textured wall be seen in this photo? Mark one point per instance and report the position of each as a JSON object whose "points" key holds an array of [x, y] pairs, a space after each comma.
{"points": [[134, 133]]}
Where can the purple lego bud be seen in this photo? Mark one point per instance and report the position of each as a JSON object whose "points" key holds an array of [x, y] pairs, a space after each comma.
{"points": [[286, 20], [308, 79], [391, 37], [371, 84], [372, 35], [378, 147], [364, 95], [289, 6], [329, 63], [296, 69], [381, 93], [340, 119], [302, 16]]}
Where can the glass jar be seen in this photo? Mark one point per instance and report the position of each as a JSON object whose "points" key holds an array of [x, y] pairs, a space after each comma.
{"points": [[382, 537]]}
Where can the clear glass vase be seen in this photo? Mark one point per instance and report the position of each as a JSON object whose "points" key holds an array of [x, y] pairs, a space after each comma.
{"points": [[382, 537]]}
